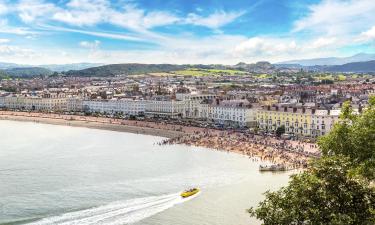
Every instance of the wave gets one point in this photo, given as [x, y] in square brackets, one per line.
[121, 212]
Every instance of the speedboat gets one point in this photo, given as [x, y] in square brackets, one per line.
[189, 192]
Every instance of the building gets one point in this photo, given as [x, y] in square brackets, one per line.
[323, 121]
[112, 106]
[235, 113]
[55, 103]
[300, 121]
[192, 103]
[161, 106]
[74, 104]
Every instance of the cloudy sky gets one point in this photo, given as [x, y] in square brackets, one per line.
[183, 31]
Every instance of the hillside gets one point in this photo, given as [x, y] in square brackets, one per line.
[3, 74]
[354, 67]
[72, 66]
[28, 72]
[124, 69]
[331, 61]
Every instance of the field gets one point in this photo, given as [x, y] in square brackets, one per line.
[339, 77]
[207, 72]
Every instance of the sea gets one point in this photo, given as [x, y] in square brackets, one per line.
[51, 174]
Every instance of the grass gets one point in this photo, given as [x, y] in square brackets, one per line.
[263, 76]
[339, 77]
[207, 72]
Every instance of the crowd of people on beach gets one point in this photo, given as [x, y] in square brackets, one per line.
[291, 154]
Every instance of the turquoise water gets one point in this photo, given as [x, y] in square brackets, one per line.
[67, 175]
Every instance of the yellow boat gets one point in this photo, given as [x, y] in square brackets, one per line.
[189, 192]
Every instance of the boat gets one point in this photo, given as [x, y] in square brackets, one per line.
[189, 192]
[277, 167]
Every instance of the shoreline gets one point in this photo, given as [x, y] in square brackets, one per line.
[95, 125]
[290, 154]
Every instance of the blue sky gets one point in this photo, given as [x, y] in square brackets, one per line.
[183, 31]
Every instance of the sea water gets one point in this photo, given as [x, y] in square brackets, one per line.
[53, 174]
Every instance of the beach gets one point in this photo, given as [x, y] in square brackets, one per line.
[291, 154]
[92, 122]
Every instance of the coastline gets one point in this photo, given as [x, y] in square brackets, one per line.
[95, 125]
[290, 154]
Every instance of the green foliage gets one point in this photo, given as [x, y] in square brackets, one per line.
[325, 194]
[3, 75]
[28, 72]
[354, 137]
[280, 130]
[336, 189]
[124, 69]
[207, 72]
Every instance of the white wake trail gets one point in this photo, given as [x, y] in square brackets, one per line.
[123, 212]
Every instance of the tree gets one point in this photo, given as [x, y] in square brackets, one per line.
[324, 194]
[280, 130]
[339, 187]
[354, 136]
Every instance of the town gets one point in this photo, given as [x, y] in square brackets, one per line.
[282, 104]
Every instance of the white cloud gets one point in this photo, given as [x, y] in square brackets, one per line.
[6, 29]
[15, 52]
[215, 20]
[93, 33]
[90, 45]
[282, 49]
[30, 10]
[83, 12]
[3, 8]
[323, 42]
[134, 18]
[3, 40]
[338, 21]
[368, 35]
[337, 17]
[93, 12]
[265, 47]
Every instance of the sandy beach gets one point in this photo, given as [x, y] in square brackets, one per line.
[88, 122]
[292, 154]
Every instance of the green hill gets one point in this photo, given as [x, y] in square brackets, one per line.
[28, 72]
[124, 69]
[3, 74]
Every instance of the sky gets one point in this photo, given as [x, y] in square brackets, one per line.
[183, 31]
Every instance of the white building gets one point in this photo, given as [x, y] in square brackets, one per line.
[229, 112]
[132, 107]
[35, 103]
[322, 121]
[192, 103]
[74, 104]
[162, 107]
[303, 121]
[124, 106]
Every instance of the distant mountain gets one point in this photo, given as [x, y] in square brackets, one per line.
[53, 67]
[124, 69]
[28, 72]
[359, 67]
[67, 67]
[4, 65]
[361, 57]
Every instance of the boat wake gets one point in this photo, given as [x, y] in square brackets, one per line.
[122, 212]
